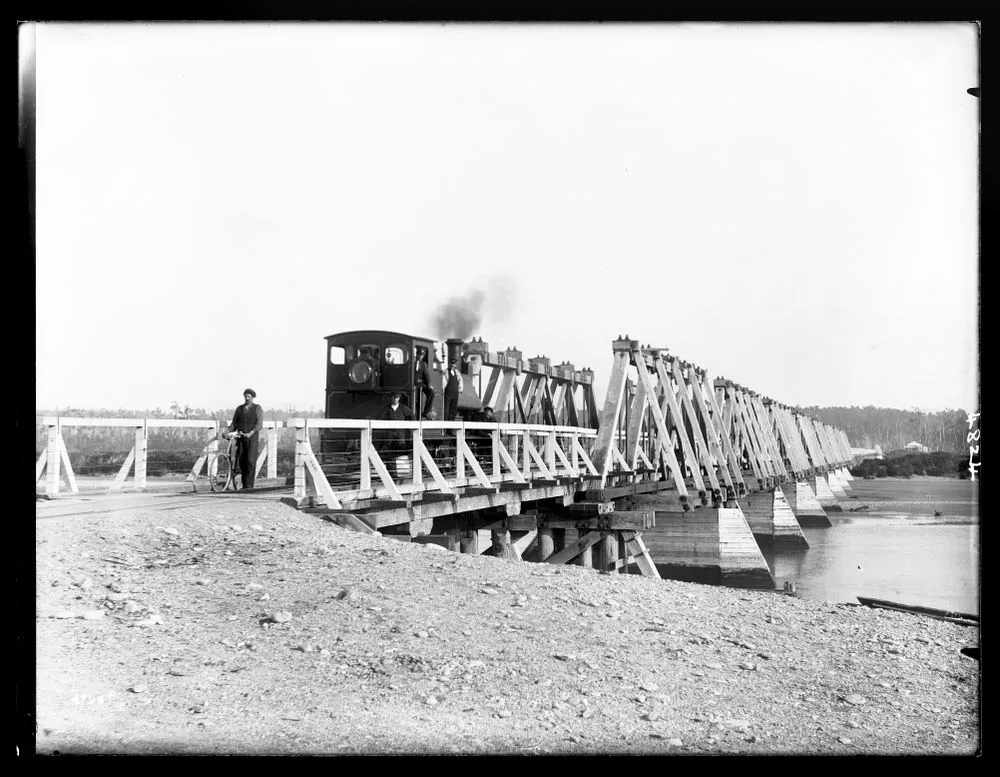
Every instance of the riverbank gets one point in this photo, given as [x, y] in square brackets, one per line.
[248, 627]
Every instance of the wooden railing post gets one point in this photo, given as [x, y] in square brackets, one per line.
[140, 455]
[416, 467]
[496, 454]
[365, 464]
[272, 452]
[54, 459]
[301, 443]
[460, 453]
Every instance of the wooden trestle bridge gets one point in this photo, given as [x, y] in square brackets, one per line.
[676, 470]
[676, 458]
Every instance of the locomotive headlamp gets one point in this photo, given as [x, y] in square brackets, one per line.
[361, 372]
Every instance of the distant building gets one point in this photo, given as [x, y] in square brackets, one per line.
[916, 447]
[868, 453]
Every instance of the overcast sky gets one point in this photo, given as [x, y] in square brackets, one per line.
[791, 206]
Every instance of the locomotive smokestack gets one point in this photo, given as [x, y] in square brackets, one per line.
[454, 345]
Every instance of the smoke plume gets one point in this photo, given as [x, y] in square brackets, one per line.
[459, 316]
[462, 316]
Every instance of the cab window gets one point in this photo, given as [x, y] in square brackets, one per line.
[396, 354]
[369, 350]
[337, 355]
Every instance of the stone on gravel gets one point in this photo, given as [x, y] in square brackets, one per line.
[139, 688]
[281, 616]
[855, 699]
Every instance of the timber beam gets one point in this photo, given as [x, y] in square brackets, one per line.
[591, 508]
[631, 489]
[509, 501]
[620, 520]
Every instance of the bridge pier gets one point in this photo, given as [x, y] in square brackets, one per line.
[707, 544]
[806, 507]
[825, 496]
[771, 519]
[835, 485]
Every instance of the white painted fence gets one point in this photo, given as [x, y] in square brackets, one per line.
[54, 459]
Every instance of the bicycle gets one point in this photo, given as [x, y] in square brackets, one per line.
[222, 467]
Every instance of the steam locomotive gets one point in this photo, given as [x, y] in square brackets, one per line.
[365, 367]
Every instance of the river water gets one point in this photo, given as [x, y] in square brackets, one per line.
[896, 550]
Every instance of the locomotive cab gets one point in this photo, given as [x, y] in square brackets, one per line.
[365, 367]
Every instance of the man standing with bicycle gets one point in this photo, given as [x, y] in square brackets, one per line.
[248, 420]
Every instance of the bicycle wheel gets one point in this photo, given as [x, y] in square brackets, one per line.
[220, 474]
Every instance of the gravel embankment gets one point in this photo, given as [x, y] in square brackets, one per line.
[247, 627]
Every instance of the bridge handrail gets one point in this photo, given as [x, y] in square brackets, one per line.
[512, 455]
[195, 423]
[55, 457]
[364, 423]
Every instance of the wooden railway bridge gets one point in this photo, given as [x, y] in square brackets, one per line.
[680, 471]
[676, 472]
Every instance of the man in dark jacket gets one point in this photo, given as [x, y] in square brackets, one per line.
[421, 377]
[248, 420]
[452, 389]
[394, 440]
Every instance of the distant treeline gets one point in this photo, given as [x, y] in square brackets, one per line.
[902, 464]
[177, 410]
[159, 462]
[893, 429]
[114, 442]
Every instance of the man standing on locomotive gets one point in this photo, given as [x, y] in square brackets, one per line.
[248, 420]
[422, 381]
[452, 389]
[394, 440]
